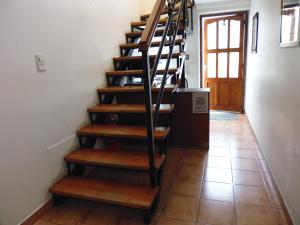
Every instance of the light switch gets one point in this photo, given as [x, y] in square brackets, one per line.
[40, 62]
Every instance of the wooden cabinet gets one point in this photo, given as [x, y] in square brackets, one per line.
[189, 129]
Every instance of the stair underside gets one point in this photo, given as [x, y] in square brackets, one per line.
[122, 131]
[139, 58]
[132, 89]
[110, 192]
[154, 44]
[114, 158]
[139, 73]
[127, 108]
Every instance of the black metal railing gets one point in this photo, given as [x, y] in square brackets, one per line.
[176, 16]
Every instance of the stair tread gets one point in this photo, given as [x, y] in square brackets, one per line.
[158, 32]
[127, 108]
[138, 58]
[122, 131]
[111, 192]
[132, 89]
[135, 72]
[114, 158]
[154, 44]
[143, 23]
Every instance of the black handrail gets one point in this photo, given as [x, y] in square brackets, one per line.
[171, 31]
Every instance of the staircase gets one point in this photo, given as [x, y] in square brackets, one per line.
[127, 131]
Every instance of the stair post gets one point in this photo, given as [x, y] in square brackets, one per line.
[149, 118]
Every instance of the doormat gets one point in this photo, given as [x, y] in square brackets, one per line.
[219, 115]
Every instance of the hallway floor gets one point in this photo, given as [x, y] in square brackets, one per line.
[228, 185]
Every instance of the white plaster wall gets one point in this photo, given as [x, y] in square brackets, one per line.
[40, 112]
[193, 42]
[146, 6]
[272, 102]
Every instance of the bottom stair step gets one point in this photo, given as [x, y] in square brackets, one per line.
[111, 192]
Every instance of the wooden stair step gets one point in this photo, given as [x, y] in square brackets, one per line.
[140, 58]
[165, 11]
[154, 44]
[132, 73]
[122, 131]
[132, 89]
[114, 158]
[161, 21]
[159, 32]
[127, 108]
[111, 192]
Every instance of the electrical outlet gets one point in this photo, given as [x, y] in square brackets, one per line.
[40, 62]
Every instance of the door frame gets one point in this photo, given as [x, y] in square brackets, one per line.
[245, 41]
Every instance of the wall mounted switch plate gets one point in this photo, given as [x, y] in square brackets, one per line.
[40, 62]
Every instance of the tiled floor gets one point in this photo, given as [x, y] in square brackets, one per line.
[228, 185]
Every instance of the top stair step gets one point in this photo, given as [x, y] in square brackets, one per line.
[111, 192]
[143, 23]
[165, 11]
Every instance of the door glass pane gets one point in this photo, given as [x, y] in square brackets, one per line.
[212, 36]
[235, 28]
[223, 34]
[234, 64]
[211, 65]
[222, 65]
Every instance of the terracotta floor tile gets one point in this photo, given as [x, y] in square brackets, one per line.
[187, 187]
[253, 215]
[216, 212]
[251, 195]
[281, 218]
[167, 221]
[251, 178]
[274, 198]
[243, 153]
[218, 175]
[219, 152]
[217, 191]
[244, 164]
[40, 222]
[104, 215]
[248, 144]
[219, 143]
[218, 162]
[180, 207]
[194, 157]
[190, 172]
[72, 212]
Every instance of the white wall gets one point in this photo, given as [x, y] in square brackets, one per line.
[40, 112]
[193, 42]
[272, 102]
[146, 6]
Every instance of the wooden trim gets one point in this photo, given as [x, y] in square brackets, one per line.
[35, 216]
[152, 22]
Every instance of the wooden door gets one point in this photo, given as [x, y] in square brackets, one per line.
[223, 61]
